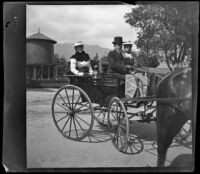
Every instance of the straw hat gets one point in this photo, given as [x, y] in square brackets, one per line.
[78, 44]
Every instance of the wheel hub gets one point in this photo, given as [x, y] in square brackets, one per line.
[71, 113]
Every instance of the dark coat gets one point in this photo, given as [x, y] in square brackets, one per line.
[116, 63]
[83, 56]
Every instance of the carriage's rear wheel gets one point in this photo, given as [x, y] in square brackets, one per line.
[100, 115]
[118, 124]
[72, 112]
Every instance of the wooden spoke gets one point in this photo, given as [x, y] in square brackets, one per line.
[113, 116]
[82, 107]
[63, 100]
[126, 148]
[68, 99]
[104, 115]
[117, 137]
[62, 118]
[60, 112]
[72, 98]
[99, 114]
[61, 106]
[83, 120]
[77, 102]
[131, 149]
[79, 125]
[70, 126]
[82, 129]
[65, 124]
[120, 132]
[75, 127]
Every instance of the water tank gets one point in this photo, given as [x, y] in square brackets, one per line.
[40, 50]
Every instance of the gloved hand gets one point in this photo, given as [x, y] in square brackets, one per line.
[133, 72]
[80, 74]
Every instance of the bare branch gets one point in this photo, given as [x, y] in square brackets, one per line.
[180, 53]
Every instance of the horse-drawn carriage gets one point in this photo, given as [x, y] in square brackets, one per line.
[101, 98]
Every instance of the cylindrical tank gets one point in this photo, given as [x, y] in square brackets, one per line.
[40, 50]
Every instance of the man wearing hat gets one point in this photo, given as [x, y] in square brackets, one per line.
[80, 61]
[116, 59]
[116, 63]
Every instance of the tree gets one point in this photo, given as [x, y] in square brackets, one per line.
[95, 61]
[164, 29]
[61, 64]
[142, 60]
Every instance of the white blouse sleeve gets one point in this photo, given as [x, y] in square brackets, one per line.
[90, 68]
[73, 66]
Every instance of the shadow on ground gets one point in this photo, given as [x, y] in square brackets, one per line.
[144, 131]
[183, 160]
[97, 135]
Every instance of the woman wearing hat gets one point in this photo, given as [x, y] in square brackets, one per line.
[116, 59]
[129, 57]
[80, 65]
[80, 61]
[131, 62]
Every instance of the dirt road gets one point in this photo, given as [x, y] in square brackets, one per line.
[47, 148]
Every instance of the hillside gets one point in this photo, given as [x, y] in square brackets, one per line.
[67, 50]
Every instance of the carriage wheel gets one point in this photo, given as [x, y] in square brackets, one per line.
[100, 115]
[118, 124]
[185, 132]
[72, 112]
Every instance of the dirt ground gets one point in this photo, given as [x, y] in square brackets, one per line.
[47, 148]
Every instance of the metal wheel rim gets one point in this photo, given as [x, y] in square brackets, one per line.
[73, 121]
[114, 138]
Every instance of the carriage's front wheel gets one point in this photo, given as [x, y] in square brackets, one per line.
[72, 112]
[118, 124]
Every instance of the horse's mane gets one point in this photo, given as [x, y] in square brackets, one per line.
[168, 83]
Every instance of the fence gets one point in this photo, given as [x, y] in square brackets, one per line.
[45, 72]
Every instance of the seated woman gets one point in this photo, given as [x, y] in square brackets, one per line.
[80, 61]
[80, 66]
[129, 56]
[137, 80]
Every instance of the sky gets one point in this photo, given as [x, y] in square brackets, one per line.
[91, 24]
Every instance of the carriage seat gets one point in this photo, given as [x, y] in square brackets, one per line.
[135, 82]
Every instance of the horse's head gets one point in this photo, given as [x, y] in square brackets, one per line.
[177, 84]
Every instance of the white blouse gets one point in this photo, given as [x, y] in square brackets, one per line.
[74, 64]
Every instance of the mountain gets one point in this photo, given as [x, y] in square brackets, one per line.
[67, 50]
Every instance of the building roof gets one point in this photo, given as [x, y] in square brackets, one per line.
[40, 36]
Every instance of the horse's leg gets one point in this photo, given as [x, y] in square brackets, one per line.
[163, 142]
[169, 123]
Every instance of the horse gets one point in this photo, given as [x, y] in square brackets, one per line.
[171, 116]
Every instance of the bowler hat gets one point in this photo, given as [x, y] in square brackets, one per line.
[117, 40]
